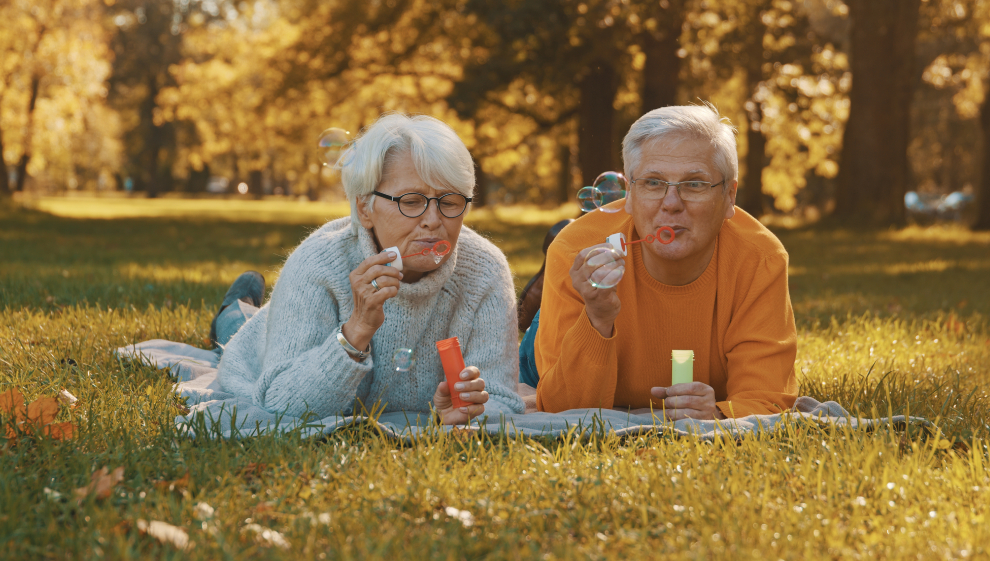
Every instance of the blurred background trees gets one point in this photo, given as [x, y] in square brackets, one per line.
[842, 106]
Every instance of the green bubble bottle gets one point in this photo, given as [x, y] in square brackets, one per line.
[682, 371]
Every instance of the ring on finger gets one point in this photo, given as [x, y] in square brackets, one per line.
[374, 283]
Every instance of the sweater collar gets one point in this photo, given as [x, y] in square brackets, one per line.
[426, 287]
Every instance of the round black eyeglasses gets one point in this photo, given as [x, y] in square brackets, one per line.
[413, 205]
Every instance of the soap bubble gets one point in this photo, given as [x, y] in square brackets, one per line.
[608, 264]
[589, 198]
[437, 258]
[333, 142]
[404, 360]
[612, 186]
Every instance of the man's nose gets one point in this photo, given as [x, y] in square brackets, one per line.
[672, 200]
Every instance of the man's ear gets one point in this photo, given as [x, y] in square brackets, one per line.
[362, 211]
[629, 202]
[730, 200]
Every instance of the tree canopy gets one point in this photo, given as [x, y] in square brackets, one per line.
[840, 105]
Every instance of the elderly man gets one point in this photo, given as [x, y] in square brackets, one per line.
[719, 289]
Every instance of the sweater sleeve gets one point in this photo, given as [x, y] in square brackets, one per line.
[761, 344]
[578, 367]
[305, 367]
[493, 345]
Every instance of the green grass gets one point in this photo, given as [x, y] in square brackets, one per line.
[890, 322]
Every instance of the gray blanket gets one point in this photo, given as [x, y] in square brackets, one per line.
[228, 416]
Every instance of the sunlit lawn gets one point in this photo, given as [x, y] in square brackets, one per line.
[890, 322]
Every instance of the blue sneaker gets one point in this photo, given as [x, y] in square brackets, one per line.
[249, 288]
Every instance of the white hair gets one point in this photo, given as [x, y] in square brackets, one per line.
[680, 122]
[439, 156]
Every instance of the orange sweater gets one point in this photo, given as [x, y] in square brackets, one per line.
[736, 317]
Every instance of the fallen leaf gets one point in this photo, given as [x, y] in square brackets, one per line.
[60, 431]
[164, 532]
[67, 398]
[180, 484]
[42, 411]
[12, 403]
[101, 484]
[253, 470]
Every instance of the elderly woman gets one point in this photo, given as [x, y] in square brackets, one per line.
[339, 312]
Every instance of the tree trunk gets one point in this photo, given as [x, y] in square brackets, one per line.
[597, 117]
[254, 183]
[752, 192]
[662, 68]
[564, 174]
[983, 194]
[756, 155]
[873, 176]
[28, 135]
[4, 174]
[153, 141]
[481, 191]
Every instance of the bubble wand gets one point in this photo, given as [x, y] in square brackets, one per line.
[607, 261]
[618, 241]
[439, 250]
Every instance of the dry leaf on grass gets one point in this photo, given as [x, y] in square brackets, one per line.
[164, 532]
[101, 484]
[180, 485]
[67, 398]
[37, 416]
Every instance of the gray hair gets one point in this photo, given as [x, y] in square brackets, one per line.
[438, 154]
[680, 122]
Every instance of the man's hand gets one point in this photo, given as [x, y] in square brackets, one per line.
[688, 401]
[601, 304]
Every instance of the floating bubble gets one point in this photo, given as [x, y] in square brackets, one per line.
[612, 187]
[589, 199]
[609, 267]
[332, 143]
[404, 360]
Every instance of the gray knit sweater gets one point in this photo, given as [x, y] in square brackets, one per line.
[287, 359]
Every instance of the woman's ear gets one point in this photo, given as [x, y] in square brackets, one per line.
[362, 211]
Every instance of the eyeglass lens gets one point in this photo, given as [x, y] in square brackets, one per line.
[450, 205]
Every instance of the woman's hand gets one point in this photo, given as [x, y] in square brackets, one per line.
[472, 390]
[368, 315]
[693, 400]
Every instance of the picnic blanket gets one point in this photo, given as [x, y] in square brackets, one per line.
[230, 416]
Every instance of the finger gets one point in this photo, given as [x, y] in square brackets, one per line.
[377, 298]
[475, 385]
[385, 281]
[377, 259]
[443, 390]
[475, 397]
[690, 388]
[659, 392]
[684, 414]
[472, 410]
[470, 373]
[687, 402]
[379, 271]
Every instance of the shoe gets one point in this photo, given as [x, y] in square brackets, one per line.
[532, 295]
[248, 288]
